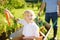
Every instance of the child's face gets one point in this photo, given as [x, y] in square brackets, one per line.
[29, 16]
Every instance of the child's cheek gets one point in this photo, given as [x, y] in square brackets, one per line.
[31, 18]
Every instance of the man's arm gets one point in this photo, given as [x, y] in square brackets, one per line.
[41, 8]
[59, 8]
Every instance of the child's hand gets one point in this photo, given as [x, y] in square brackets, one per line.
[18, 19]
[6, 11]
[28, 37]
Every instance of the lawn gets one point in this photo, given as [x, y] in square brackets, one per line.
[58, 33]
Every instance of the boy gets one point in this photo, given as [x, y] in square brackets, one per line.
[30, 29]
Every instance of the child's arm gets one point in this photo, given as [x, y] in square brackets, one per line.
[20, 21]
[10, 15]
[6, 11]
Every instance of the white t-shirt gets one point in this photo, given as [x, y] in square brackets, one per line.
[29, 29]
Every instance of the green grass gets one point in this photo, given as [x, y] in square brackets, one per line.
[58, 33]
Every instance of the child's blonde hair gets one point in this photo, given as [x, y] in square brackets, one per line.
[30, 11]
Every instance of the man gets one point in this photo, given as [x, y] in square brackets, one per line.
[51, 13]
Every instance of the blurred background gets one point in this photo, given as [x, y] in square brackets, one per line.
[17, 7]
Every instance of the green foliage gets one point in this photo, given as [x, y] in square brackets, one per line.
[1, 9]
[11, 4]
[17, 3]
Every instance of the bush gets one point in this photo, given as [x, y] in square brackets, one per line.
[11, 4]
[1, 9]
[17, 3]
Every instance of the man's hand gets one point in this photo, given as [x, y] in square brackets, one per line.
[39, 14]
[58, 14]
